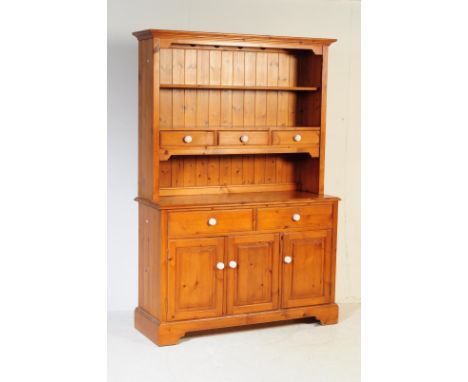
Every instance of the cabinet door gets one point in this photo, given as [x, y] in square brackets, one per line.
[195, 287]
[252, 273]
[306, 268]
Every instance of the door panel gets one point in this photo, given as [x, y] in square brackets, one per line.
[195, 284]
[306, 280]
[252, 285]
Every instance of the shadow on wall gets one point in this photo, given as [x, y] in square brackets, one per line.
[122, 172]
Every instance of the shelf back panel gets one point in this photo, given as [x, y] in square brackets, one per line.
[190, 108]
[238, 173]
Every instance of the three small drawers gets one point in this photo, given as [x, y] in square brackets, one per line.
[183, 223]
[239, 138]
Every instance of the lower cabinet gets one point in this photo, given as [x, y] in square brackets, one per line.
[306, 273]
[209, 277]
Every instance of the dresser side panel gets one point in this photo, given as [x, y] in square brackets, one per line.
[151, 262]
[145, 119]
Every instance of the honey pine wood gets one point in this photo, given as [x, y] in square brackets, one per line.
[234, 226]
[252, 286]
[307, 280]
[195, 286]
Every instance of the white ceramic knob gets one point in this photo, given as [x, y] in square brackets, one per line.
[244, 138]
[188, 139]
[287, 259]
[212, 221]
[296, 217]
[297, 138]
[233, 264]
[220, 266]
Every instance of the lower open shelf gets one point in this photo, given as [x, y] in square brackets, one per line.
[167, 152]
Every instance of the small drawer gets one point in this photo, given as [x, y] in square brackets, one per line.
[299, 137]
[186, 138]
[317, 216]
[242, 138]
[208, 222]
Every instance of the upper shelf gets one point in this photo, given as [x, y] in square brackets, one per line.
[238, 87]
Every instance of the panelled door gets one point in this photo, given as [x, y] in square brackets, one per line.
[306, 268]
[195, 278]
[252, 266]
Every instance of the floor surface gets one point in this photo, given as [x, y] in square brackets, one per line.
[293, 352]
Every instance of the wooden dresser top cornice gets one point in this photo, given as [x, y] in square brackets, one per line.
[188, 36]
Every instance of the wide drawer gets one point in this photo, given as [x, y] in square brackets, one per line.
[208, 222]
[186, 138]
[317, 216]
[242, 138]
[299, 137]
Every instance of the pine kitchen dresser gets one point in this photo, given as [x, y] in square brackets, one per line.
[234, 226]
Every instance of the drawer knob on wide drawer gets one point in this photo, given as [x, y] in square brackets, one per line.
[188, 139]
[233, 264]
[212, 221]
[297, 138]
[287, 259]
[296, 217]
[220, 266]
[244, 138]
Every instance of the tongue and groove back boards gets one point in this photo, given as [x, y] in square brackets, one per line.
[211, 109]
[249, 110]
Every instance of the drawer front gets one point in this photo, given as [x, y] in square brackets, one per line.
[318, 216]
[209, 222]
[296, 137]
[187, 138]
[242, 138]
